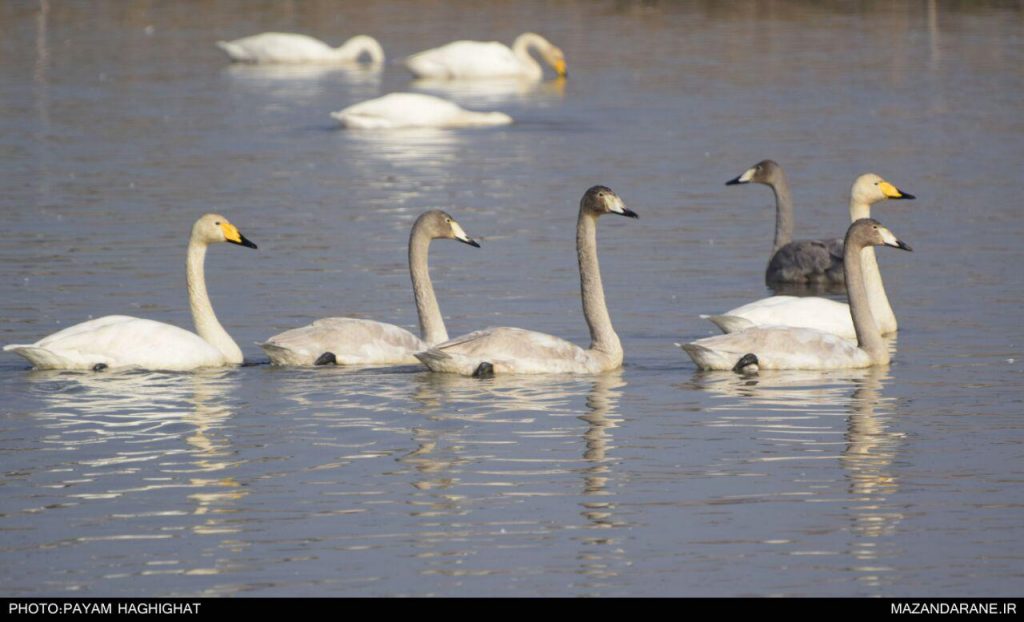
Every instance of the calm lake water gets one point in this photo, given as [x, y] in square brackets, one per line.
[123, 123]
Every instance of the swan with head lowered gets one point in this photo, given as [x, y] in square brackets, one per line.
[480, 60]
[122, 341]
[517, 351]
[822, 313]
[411, 110]
[784, 347]
[352, 341]
[290, 48]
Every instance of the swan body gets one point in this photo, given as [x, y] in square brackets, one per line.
[516, 351]
[781, 347]
[821, 313]
[814, 312]
[479, 59]
[118, 341]
[405, 110]
[354, 341]
[289, 48]
[800, 261]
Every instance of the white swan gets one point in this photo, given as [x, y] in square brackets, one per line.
[518, 351]
[351, 341]
[283, 47]
[822, 313]
[479, 59]
[404, 110]
[782, 347]
[124, 341]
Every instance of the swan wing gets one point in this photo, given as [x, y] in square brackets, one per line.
[510, 351]
[778, 347]
[399, 110]
[353, 341]
[277, 47]
[808, 261]
[465, 59]
[121, 341]
[814, 312]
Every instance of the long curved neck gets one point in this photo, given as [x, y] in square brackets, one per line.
[432, 328]
[877, 298]
[351, 49]
[783, 212]
[869, 338]
[602, 335]
[521, 48]
[203, 317]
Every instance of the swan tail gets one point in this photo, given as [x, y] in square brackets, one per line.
[41, 358]
[729, 323]
[235, 51]
[700, 355]
[282, 355]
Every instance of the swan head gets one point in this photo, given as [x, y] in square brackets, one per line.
[870, 188]
[600, 200]
[440, 225]
[764, 172]
[214, 228]
[870, 232]
[551, 53]
[556, 58]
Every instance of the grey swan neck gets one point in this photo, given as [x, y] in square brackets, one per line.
[432, 329]
[602, 336]
[869, 337]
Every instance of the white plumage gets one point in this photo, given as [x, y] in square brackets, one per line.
[283, 47]
[487, 59]
[407, 110]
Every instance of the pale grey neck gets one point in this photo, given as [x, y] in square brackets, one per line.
[203, 317]
[432, 329]
[877, 298]
[602, 335]
[869, 338]
[783, 211]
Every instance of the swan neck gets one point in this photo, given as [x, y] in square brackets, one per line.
[354, 47]
[432, 329]
[595, 310]
[878, 299]
[521, 49]
[869, 337]
[783, 212]
[205, 320]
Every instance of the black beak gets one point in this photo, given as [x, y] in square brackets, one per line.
[628, 213]
[470, 241]
[904, 195]
[903, 245]
[244, 241]
[735, 181]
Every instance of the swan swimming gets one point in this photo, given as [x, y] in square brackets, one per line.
[352, 341]
[783, 347]
[289, 48]
[480, 59]
[822, 313]
[517, 351]
[116, 341]
[407, 110]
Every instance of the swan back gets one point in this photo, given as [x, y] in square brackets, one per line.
[404, 110]
[292, 48]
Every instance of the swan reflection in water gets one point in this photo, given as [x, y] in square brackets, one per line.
[793, 414]
[457, 464]
[121, 424]
[296, 83]
[491, 92]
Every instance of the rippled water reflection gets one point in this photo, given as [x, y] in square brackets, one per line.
[653, 480]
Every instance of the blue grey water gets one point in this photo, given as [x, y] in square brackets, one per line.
[122, 123]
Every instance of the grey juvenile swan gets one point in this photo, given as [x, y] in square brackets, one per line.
[517, 351]
[353, 341]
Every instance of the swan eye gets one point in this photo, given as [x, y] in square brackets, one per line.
[217, 223]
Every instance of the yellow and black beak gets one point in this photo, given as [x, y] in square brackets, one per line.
[233, 235]
[560, 68]
[892, 192]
